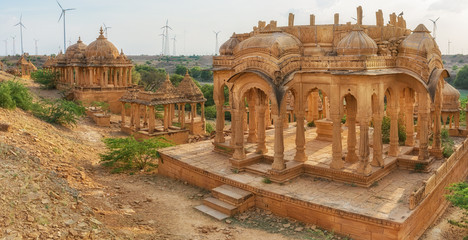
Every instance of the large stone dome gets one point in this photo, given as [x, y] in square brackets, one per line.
[277, 44]
[228, 47]
[76, 50]
[101, 48]
[357, 42]
[450, 98]
[420, 42]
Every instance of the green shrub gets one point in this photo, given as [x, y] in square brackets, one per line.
[311, 124]
[128, 153]
[386, 131]
[46, 78]
[104, 106]
[343, 119]
[447, 143]
[14, 94]
[209, 128]
[210, 112]
[459, 197]
[58, 111]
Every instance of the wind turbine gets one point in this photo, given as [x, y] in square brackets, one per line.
[166, 34]
[216, 49]
[173, 47]
[14, 50]
[163, 36]
[435, 27]
[35, 45]
[63, 14]
[105, 28]
[6, 46]
[21, 26]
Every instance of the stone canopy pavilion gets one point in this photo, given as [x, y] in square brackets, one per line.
[94, 72]
[363, 72]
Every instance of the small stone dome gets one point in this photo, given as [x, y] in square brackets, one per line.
[277, 44]
[418, 43]
[228, 47]
[450, 98]
[101, 48]
[357, 42]
[76, 50]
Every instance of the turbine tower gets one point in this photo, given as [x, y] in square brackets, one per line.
[173, 46]
[21, 26]
[14, 50]
[216, 49]
[435, 27]
[163, 37]
[63, 14]
[35, 45]
[105, 28]
[6, 46]
[166, 34]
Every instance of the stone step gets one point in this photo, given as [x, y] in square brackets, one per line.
[232, 195]
[221, 206]
[212, 212]
[260, 168]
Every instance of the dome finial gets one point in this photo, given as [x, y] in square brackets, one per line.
[101, 32]
[186, 72]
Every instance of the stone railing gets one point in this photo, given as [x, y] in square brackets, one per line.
[430, 184]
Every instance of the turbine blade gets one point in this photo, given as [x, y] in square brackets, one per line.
[60, 5]
[60, 16]
[437, 19]
[70, 9]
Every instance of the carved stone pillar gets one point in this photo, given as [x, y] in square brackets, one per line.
[268, 115]
[238, 130]
[182, 123]
[219, 138]
[261, 144]
[123, 112]
[278, 157]
[337, 161]
[106, 77]
[166, 118]
[120, 77]
[145, 116]
[423, 121]
[137, 117]
[364, 166]
[314, 105]
[152, 120]
[392, 109]
[300, 137]
[252, 137]
[377, 145]
[409, 121]
[351, 109]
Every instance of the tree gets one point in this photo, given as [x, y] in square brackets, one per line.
[206, 75]
[461, 80]
[151, 77]
[195, 72]
[181, 70]
[176, 79]
[46, 78]
[136, 77]
[207, 90]
[127, 153]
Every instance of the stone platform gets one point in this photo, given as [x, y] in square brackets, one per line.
[381, 211]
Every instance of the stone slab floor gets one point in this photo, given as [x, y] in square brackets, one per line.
[388, 199]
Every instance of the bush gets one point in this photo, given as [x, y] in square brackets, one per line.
[461, 80]
[103, 106]
[128, 153]
[311, 124]
[46, 78]
[447, 143]
[459, 197]
[14, 94]
[58, 111]
[386, 131]
[210, 112]
[209, 128]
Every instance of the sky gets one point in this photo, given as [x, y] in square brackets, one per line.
[136, 24]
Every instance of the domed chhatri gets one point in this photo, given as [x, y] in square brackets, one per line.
[276, 44]
[419, 42]
[228, 47]
[97, 72]
[357, 42]
[76, 51]
[101, 48]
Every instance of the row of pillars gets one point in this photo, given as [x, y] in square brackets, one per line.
[96, 76]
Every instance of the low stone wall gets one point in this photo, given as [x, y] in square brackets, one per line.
[430, 184]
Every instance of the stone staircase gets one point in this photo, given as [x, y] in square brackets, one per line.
[226, 201]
